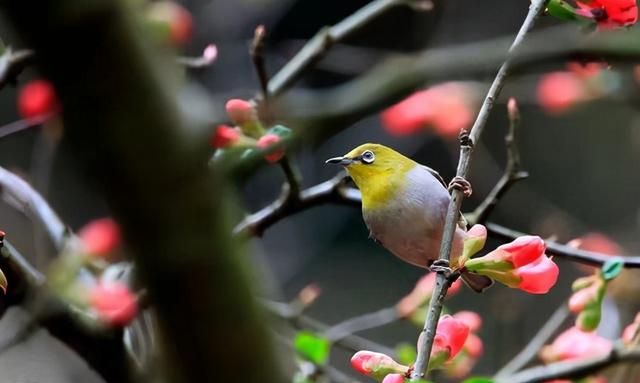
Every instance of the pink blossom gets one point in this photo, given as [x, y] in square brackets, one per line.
[421, 293]
[470, 318]
[114, 303]
[240, 111]
[37, 99]
[375, 364]
[559, 91]
[451, 335]
[268, 140]
[576, 344]
[539, 276]
[100, 236]
[224, 136]
[393, 378]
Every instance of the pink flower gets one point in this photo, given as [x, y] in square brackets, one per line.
[240, 111]
[266, 142]
[393, 378]
[451, 335]
[470, 318]
[575, 344]
[376, 365]
[586, 70]
[446, 107]
[100, 236]
[224, 136]
[538, 277]
[37, 99]
[421, 294]
[559, 91]
[114, 303]
[521, 251]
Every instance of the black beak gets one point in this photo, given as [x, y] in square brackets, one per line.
[344, 161]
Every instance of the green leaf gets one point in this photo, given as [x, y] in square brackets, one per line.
[477, 379]
[562, 10]
[406, 353]
[280, 130]
[312, 347]
[612, 268]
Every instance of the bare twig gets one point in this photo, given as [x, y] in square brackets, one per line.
[362, 322]
[513, 171]
[32, 276]
[572, 369]
[256, 52]
[334, 190]
[535, 344]
[13, 63]
[22, 196]
[563, 251]
[466, 148]
[324, 39]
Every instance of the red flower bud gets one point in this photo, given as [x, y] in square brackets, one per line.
[470, 318]
[100, 237]
[268, 140]
[538, 277]
[177, 18]
[521, 251]
[393, 378]
[37, 99]
[609, 13]
[559, 91]
[575, 344]
[240, 111]
[224, 136]
[451, 335]
[375, 364]
[512, 109]
[114, 303]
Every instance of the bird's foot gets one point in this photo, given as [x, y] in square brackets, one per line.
[441, 266]
[461, 184]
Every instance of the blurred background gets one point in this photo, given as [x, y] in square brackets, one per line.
[582, 163]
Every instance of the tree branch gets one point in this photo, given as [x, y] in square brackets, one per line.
[13, 63]
[513, 172]
[23, 197]
[318, 46]
[530, 351]
[466, 148]
[362, 322]
[572, 369]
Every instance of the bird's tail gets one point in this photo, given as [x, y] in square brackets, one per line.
[476, 282]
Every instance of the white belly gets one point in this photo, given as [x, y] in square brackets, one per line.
[411, 225]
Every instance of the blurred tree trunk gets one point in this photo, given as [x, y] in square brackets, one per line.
[122, 120]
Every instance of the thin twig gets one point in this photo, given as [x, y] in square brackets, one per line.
[530, 351]
[513, 171]
[32, 276]
[466, 148]
[22, 196]
[362, 322]
[256, 51]
[318, 46]
[563, 251]
[572, 369]
[334, 190]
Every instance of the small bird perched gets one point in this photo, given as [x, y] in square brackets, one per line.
[404, 205]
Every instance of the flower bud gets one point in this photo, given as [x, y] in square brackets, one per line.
[470, 318]
[512, 109]
[451, 334]
[574, 344]
[474, 241]
[177, 19]
[100, 237]
[559, 91]
[421, 294]
[309, 294]
[376, 365]
[210, 53]
[265, 142]
[224, 136]
[37, 99]
[240, 111]
[538, 277]
[113, 303]
[393, 378]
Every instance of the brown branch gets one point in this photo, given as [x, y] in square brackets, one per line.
[318, 46]
[513, 171]
[334, 190]
[256, 51]
[466, 149]
[572, 369]
[530, 351]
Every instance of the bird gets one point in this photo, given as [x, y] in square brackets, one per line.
[404, 205]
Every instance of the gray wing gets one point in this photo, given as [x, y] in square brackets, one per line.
[462, 222]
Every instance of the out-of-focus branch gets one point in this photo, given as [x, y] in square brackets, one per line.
[513, 171]
[29, 274]
[334, 190]
[443, 280]
[316, 48]
[534, 345]
[362, 322]
[12, 63]
[572, 369]
[23, 197]
[101, 63]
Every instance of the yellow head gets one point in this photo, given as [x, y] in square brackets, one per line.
[378, 171]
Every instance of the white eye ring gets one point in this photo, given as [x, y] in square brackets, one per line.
[368, 157]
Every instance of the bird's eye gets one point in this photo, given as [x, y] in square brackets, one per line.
[368, 157]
